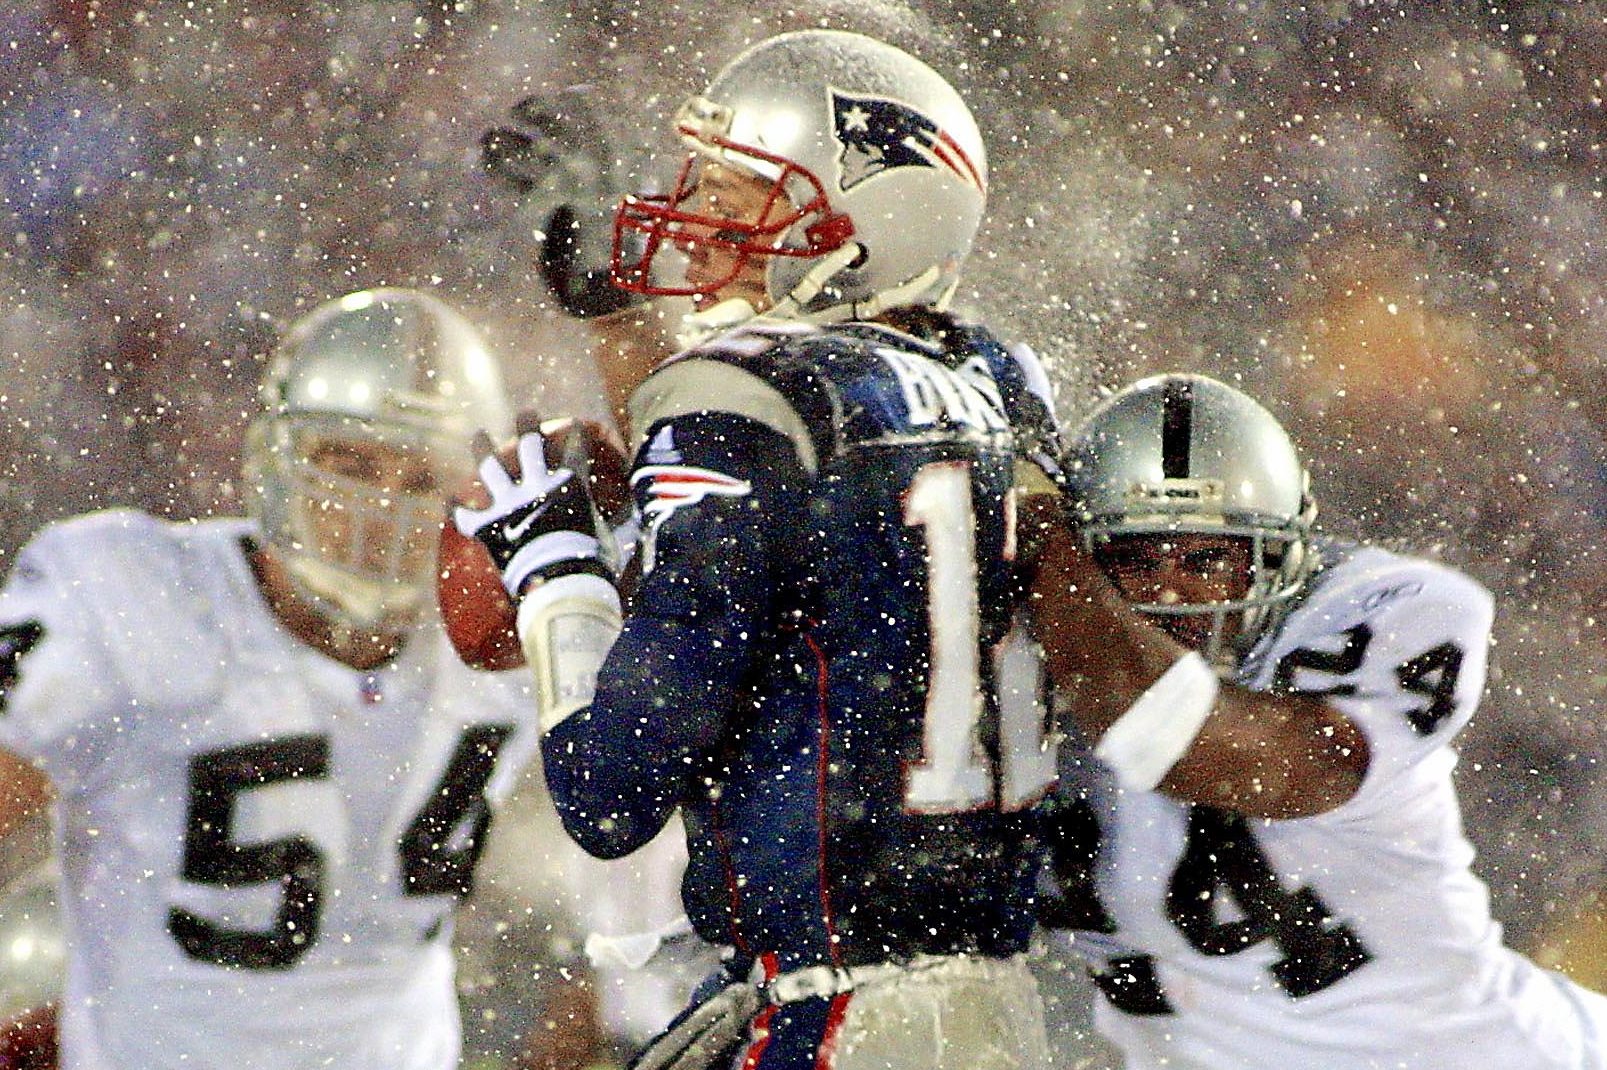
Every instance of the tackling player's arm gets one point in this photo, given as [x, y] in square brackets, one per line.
[1269, 755]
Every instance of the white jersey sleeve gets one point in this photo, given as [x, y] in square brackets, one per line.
[63, 698]
[1399, 645]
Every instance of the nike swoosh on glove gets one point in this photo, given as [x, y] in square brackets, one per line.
[541, 523]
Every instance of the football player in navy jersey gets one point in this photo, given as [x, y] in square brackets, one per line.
[825, 587]
[1263, 851]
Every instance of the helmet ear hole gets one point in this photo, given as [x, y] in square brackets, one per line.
[831, 233]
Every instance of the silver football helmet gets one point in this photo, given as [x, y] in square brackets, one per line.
[1186, 453]
[877, 169]
[392, 374]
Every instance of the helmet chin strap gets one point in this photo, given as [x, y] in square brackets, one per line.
[903, 294]
[699, 326]
[814, 280]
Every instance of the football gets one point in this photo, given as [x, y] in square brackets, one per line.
[28, 1039]
[479, 617]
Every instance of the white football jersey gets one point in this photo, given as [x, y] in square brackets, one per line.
[644, 956]
[1355, 939]
[261, 847]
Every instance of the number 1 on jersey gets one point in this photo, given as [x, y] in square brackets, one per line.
[955, 773]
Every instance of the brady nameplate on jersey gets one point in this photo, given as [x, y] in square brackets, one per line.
[966, 395]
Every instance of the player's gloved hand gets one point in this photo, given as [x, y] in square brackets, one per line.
[575, 256]
[708, 1032]
[552, 156]
[541, 523]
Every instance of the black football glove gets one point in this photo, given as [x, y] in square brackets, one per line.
[573, 269]
[541, 523]
[554, 158]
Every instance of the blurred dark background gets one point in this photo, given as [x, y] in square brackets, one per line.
[1386, 221]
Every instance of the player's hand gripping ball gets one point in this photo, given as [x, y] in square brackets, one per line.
[477, 610]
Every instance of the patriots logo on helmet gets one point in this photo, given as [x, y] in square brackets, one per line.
[878, 135]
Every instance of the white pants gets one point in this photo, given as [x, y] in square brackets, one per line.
[953, 1013]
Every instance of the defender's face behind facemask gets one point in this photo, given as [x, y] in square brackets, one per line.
[370, 402]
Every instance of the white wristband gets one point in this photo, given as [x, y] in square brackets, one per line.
[1157, 730]
[567, 626]
[549, 549]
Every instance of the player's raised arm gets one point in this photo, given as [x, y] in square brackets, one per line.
[551, 154]
[1191, 540]
[1193, 735]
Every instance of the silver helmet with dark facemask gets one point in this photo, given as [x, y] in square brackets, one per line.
[877, 173]
[1188, 454]
[369, 404]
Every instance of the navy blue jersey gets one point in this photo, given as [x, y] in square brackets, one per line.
[807, 669]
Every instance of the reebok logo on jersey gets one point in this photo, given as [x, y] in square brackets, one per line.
[671, 487]
[662, 449]
[1378, 599]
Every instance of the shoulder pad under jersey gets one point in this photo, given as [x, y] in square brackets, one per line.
[827, 388]
[148, 589]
